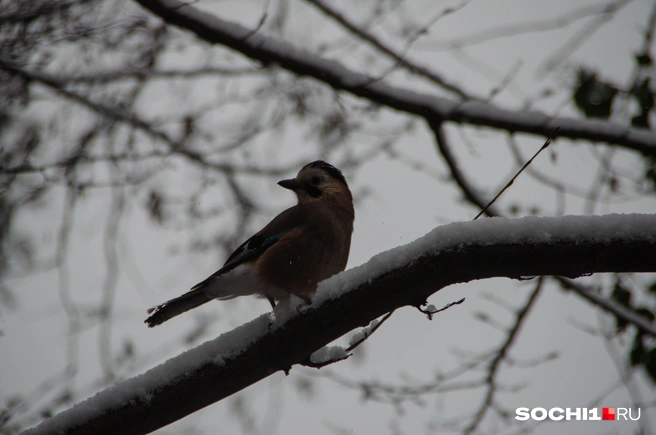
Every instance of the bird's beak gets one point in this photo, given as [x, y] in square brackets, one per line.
[292, 184]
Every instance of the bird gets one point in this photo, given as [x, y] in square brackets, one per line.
[299, 248]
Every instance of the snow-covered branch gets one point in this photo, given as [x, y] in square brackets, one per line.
[405, 276]
[270, 51]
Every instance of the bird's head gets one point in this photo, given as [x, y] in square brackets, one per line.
[320, 181]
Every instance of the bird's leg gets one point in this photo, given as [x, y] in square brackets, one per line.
[273, 306]
[271, 300]
[306, 299]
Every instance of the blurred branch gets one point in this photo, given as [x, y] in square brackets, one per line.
[395, 394]
[627, 380]
[298, 61]
[400, 58]
[556, 184]
[110, 282]
[544, 25]
[149, 73]
[114, 113]
[471, 193]
[21, 13]
[600, 181]
[649, 32]
[118, 114]
[582, 35]
[501, 354]
[611, 306]
[63, 274]
[577, 246]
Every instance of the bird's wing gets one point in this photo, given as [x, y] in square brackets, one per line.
[289, 220]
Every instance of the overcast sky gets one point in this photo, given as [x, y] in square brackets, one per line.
[401, 203]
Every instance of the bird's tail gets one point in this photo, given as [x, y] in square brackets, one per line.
[179, 305]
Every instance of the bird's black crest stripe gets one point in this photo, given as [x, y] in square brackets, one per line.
[332, 171]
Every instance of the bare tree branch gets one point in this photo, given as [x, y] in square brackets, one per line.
[582, 35]
[150, 73]
[565, 19]
[502, 353]
[270, 51]
[609, 305]
[471, 193]
[119, 114]
[22, 14]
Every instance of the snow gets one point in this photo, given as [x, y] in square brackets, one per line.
[328, 354]
[431, 308]
[455, 236]
[140, 388]
[363, 333]
[492, 231]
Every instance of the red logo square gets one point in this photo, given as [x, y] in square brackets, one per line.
[608, 413]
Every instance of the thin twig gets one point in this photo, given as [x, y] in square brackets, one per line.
[431, 312]
[371, 332]
[546, 144]
[309, 363]
[260, 23]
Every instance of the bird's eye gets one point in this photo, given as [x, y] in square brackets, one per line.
[315, 180]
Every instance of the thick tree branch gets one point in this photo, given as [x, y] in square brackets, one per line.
[405, 276]
[270, 51]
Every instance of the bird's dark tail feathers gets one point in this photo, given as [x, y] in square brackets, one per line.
[179, 305]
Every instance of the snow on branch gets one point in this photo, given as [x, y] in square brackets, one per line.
[270, 51]
[405, 276]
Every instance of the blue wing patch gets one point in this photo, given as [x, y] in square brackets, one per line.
[256, 245]
[273, 239]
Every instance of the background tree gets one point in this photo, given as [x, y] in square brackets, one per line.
[136, 155]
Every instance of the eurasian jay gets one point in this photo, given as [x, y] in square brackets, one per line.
[300, 247]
